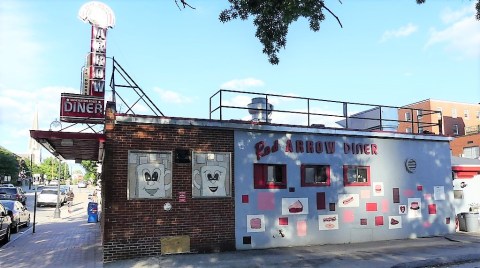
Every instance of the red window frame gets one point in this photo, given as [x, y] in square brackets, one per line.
[345, 176]
[260, 176]
[304, 183]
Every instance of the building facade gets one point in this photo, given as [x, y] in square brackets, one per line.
[173, 185]
[459, 120]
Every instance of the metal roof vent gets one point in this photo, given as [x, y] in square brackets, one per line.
[260, 110]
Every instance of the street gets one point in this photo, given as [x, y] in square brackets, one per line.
[45, 214]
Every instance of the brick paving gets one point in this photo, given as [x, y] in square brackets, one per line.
[69, 241]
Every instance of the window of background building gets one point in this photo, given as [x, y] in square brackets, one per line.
[408, 116]
[455, 129]
[270, 176]
[439, 109]
[420, 129]
[454, 113]
[315, 175]
[356, 176]
[408, 130]
[465, 114]
[471, 152]
[419, 114]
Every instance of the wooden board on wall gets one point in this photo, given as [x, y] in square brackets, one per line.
[175, 244]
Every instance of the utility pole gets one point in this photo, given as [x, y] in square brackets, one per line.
[56, 214]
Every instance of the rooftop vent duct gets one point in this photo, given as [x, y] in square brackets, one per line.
[260, 110]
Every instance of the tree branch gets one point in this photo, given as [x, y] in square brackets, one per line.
[333, 14]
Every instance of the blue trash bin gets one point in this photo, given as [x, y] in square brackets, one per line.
[92, 212]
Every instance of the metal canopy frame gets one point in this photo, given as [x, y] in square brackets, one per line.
[121, 79]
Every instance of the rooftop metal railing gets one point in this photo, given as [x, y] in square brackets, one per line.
[313, 112]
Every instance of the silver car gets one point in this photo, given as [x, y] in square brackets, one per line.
[18, 213]
[48, 196]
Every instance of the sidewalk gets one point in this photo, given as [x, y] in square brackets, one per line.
[72, 242]
[421, 252]
[69, 241]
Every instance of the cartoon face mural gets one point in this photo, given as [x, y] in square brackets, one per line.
[212, 180]
[151, 180]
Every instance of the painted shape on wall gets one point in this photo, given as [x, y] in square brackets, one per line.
[348, 216]
[149, 174]
[266, 201]
[378, 220]
[439, 192]
[396, 195]
[432, 209]
[301, 228]
[151, 180]
[211, 174]
[294, 206]
[394, 222]
[385, 206]
[378, 189]
[328, 222]
[255, 223]
[348, 200]
[321, 201]
[365, 194]
[402, 209]
[371, 206]
[414, 208]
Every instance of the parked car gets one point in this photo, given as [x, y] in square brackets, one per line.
[48, 196]
[5, 223]
[13, 193]
[82, 184]
[18, 213]
[53, 182]
[7, 185]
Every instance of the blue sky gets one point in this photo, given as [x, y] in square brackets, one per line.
[388, 53]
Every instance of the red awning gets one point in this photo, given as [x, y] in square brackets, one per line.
[71, 145]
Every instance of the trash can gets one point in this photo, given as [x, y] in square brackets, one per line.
[468, 222]
[471, 220]
[92, 212]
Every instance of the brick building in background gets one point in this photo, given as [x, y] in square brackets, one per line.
[459, 120]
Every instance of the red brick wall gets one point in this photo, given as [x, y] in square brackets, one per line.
[133, 228]
[461, 142]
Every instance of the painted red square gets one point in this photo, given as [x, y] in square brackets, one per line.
[419, 187]
[371, 206]
[321, 201]
[244, 198]
[363, 221]
[432, 209]
[283, 221]
[378, 220]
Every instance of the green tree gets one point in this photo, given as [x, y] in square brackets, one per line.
[273, 17]
[9, 165]
[90, 170]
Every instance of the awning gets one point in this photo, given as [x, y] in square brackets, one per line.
[71, 145]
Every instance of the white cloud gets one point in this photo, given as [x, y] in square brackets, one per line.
[449, 16]
[462, 37]
[172, 96]
[17, 109]
[242, 84]
[400, 32]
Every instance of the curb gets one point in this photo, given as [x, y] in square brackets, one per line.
[441, 261]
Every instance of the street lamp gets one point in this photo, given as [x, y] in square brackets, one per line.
[56, 213]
